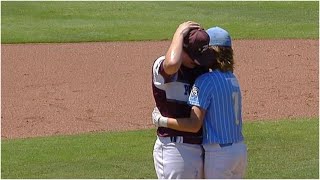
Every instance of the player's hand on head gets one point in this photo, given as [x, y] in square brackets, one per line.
[185, 27]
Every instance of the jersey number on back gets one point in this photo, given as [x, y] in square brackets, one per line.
[236, 106]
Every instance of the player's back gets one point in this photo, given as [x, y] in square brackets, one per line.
[223, 118]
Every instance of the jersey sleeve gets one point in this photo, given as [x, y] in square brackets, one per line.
[200, 93]
[160, 77]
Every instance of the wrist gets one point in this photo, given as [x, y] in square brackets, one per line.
[163, 122]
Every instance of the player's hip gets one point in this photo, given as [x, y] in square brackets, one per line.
[177, 160]
[178, 150]
[225, 161]
[214, 147]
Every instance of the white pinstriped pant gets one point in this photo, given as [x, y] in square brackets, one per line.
[175, 160]
[228, 162]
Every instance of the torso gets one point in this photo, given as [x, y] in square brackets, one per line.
[171, 94]
[222, 102]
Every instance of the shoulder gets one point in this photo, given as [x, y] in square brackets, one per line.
[204, 78]
[157, 63]
[210, 79]
[158, 71]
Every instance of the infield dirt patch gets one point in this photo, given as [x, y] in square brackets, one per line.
[50, 89]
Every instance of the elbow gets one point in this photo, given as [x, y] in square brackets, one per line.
[196, 117]
[196, 128]
[171, 67]
[172, 63]
[195, 125]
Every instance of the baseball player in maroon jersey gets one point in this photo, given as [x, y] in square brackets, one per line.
[217, 108]
[177, 154]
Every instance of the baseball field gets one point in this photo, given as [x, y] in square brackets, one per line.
[76, 96]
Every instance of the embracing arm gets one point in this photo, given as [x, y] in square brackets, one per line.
[191, 124]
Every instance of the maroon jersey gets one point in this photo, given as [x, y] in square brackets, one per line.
[171, 93]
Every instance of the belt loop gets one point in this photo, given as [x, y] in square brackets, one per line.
[181, 139]
[173, 138]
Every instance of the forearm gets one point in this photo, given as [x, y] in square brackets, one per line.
[191, 124]
[184, 124]
[173, 58]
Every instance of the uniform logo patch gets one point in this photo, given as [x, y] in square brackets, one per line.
[194, 91]
[193, 98]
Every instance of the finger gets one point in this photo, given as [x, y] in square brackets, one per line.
[192, 23]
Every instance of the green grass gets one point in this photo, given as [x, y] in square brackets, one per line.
[276, 149]
[283, 149]
[24, 22]
[103, 155]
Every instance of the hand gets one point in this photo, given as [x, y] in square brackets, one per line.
[158, 120]
[185, 27]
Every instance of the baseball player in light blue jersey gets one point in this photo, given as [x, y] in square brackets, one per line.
[216, 105]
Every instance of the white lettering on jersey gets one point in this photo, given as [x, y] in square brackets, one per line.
[177, 91]
[174, 90]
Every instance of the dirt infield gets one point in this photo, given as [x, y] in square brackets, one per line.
[50, 89]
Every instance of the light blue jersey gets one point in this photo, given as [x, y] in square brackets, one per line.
[219, 94]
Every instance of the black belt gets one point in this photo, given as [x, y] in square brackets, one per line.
[225, 145]
[188, 140]
[195, 140]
